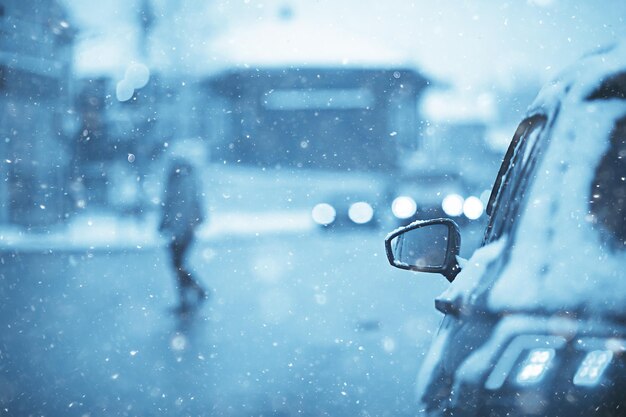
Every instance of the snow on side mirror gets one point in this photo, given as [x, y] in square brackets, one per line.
[426, 246]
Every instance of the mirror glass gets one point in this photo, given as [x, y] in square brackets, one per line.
[424, 247]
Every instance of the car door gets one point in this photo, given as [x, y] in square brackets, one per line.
[467, 324]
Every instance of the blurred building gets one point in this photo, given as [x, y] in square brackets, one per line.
[36, 117]
[331, 118]
[118, 147]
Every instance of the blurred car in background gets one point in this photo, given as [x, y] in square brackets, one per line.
[326, 139]
[349, 210]
[424, 197]
[534, 321]
[453, 184]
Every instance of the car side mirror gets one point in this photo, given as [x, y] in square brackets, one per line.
[426, 246]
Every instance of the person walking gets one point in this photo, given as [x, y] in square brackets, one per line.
[182, 214]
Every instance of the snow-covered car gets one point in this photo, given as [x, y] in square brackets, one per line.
[535, 323]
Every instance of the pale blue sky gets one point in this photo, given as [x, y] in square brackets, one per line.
[471, 44]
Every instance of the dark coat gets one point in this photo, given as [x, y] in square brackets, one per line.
[182, 206]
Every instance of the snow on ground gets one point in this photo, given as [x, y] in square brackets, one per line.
[105, 230]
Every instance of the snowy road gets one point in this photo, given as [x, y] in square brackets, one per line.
[312, 324]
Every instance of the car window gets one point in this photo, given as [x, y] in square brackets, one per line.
[607, 202]
[612, 87]
[513, 177]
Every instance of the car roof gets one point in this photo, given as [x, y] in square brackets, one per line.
[578, 81]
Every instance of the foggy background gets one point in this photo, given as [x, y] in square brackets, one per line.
[316, 127]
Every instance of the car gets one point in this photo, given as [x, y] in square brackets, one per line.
[456, 184]
[350, 210]
[534, 321]
[424, 197]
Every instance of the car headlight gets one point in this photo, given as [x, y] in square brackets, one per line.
[534, 367]
[403, 207]
[360, 212]
[452, 205]
[323, 214]
[593, 366]
[473, 208]
[528, 359]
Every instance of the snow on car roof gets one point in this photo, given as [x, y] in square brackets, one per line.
[558, 261]
[578, 80]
